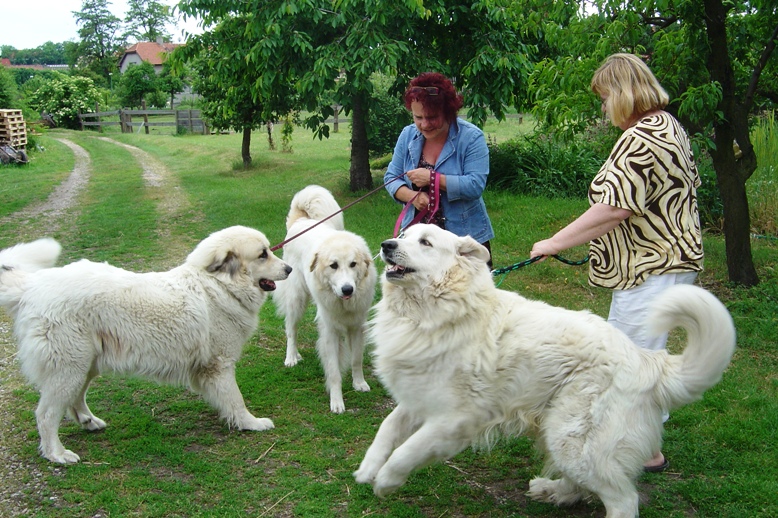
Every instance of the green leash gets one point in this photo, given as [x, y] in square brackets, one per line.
[508, 269]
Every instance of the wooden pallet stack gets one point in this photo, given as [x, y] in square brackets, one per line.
[13, 130]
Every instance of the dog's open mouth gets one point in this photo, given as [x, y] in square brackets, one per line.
[267, 285]
[396, 271]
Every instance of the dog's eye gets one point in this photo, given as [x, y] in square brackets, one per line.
[353, 264]
[263, 255]
[424, 242]
[334, 266]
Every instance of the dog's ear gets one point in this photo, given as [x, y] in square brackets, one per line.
[313, 262]
[470, 248]
[229, 264]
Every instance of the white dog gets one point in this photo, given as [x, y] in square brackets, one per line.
[335, 269]
[186, 326]
[467, 362]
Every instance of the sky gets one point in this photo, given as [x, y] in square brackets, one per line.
[27, 24]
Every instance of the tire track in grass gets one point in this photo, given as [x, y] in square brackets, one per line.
[22, 482]
[173, 204]
[52, 211]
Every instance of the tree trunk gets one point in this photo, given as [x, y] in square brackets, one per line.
[731, 173]
[359, 173]
[245, 149]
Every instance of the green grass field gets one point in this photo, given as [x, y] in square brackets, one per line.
[165, 453]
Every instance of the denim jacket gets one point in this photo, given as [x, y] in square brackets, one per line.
[465, 162]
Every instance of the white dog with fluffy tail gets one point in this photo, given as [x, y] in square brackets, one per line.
[186, 326]
[466, 362]
[333, 267]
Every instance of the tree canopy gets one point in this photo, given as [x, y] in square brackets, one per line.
[100, 42]
[146, 20]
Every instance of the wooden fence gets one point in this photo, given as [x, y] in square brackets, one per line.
[130, 121]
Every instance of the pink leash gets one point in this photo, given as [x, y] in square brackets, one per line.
[431, 209]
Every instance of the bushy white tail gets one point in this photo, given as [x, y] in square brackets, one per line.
[315, 202]
[30, 257]
[20, 260]
[710, 341]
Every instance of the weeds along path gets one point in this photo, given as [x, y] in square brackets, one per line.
[23, 490]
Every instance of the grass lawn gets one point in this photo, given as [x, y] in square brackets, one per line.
[165, 453]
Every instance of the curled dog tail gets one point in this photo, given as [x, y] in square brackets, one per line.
[315, 202]
[19, 261]
[710, 342]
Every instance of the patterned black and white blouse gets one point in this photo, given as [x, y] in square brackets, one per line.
[651, 172]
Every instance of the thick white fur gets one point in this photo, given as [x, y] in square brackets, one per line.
[186, 326]
[333, 267]
[467, 362]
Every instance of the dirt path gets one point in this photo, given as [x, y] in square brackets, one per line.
[21, 475]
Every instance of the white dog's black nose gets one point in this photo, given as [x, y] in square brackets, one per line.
[347, 290]
[389, 244]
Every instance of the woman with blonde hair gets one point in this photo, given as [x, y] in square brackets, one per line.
[642, 226]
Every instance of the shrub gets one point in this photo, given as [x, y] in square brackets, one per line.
[64, 97]
[542, 165]
[8, 92]
[762, 187]
[708, 197]
[387, 118]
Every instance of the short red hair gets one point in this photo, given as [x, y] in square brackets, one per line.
[447, 101]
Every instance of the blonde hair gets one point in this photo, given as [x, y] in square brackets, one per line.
[628, 86]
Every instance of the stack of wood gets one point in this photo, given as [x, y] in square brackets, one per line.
[13, 130]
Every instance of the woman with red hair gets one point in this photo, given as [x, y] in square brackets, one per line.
[439, 144]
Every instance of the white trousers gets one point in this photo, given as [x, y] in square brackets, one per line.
[629, 308]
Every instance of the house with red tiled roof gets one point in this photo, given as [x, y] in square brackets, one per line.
[151, 51]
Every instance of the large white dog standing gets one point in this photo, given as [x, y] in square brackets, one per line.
[333, 267]
[466, 362]
[186, 326]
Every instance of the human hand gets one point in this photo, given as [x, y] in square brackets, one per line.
[421, 201]
[543, 248]
[420, 177]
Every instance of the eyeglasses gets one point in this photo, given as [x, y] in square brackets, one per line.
[430, 90]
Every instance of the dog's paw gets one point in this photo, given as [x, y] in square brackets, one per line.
[543, 490]
[259, 424]
[364, 475]
[361, 386]
[384, 485]
[65, 457]
[337, 406]
[292, 359]
[93, 424]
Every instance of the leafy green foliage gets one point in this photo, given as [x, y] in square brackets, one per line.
[387, 118]
[146, 20]
[100, 43]
[64, 97]
[138, 83]
[9, 94]
[540, 165]
[49, 53]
